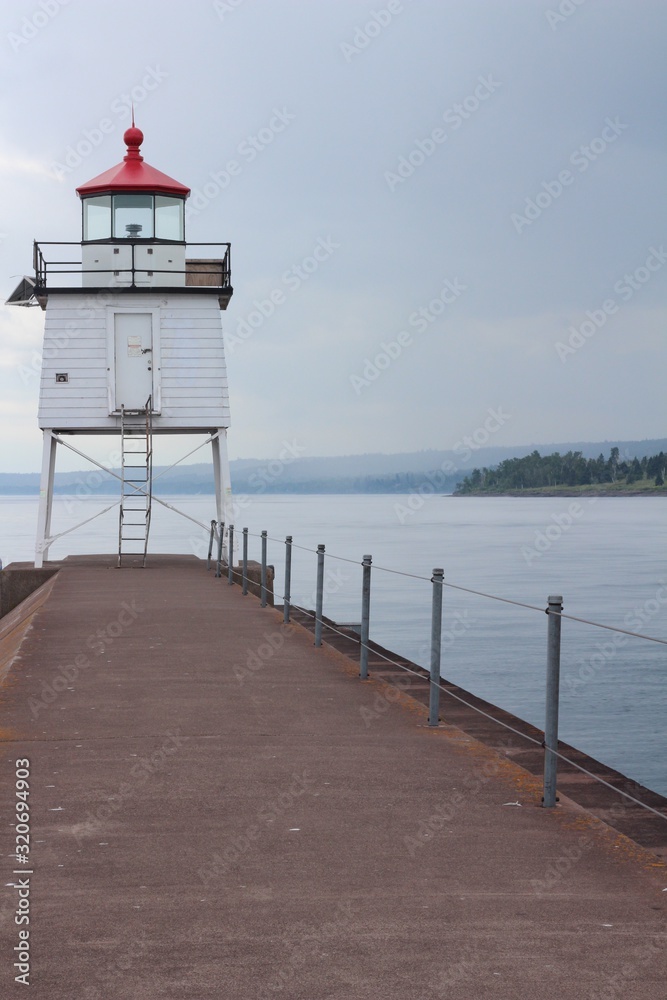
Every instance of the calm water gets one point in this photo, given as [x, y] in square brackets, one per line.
[606, 557]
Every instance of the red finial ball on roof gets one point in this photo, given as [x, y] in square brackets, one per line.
[133, 174]
[133, 139]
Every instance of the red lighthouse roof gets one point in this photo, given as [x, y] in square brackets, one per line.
[133, 174]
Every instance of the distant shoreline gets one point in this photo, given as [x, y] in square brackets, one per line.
[567, 492]
[558, 491]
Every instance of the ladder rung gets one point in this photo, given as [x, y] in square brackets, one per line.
[136, 484]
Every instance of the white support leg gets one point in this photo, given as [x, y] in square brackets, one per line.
[223, 485]
[215, 448]
[45, 499]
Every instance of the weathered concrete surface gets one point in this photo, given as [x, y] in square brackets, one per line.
[521, 742]
[221, 811]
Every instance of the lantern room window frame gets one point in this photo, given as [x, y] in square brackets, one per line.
[111, 203]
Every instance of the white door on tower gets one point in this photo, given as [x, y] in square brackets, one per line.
[133, 349]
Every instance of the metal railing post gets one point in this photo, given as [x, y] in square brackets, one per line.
[245, 561]
[553, 687]
[365, 616]
[319, 595]
[210, 544]
[264, 537]
[436, 637]
[230, 555]
[221, 536]
[288, 578]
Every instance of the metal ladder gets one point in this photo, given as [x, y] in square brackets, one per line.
[136, 442]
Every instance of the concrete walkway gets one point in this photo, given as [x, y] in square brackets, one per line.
[218, 810]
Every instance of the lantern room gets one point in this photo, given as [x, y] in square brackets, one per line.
[133, 223]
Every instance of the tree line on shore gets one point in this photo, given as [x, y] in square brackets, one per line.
[537, 471]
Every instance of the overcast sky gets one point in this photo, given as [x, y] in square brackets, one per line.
[485, 181]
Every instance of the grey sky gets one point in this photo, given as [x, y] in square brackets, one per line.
[341, 94]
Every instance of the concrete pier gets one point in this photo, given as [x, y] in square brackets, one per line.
[219, 810]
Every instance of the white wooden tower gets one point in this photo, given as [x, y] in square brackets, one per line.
[133, 339]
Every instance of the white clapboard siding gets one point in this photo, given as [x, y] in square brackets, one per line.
[188, 353]
[97, 353]
[53, 391]
[70, 338]
[81, 368]
[62, 327]
[197, 368]
[194, 323]
[176, 389]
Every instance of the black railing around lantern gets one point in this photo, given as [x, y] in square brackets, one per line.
[200, 272]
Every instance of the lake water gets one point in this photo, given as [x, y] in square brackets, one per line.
[606, 557]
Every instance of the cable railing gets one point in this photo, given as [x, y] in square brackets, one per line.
[553, 610]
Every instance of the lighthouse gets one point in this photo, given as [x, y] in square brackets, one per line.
[133, 343]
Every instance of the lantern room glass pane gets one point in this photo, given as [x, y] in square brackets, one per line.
[168, 218]
[97, 218]
[133, 216]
